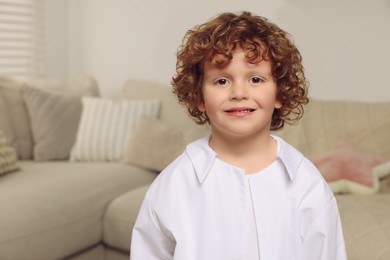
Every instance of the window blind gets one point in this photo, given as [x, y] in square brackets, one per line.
[22, 38]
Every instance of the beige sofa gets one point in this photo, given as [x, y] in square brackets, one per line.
[55, 209]
[86, 210]
[61, 209]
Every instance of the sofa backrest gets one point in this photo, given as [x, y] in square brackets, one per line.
[171, 111]
[326, 123]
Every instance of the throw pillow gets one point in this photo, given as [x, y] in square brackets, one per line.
[15, 107]
[54, 122]
[19, 124]
[106, 126]
[7, 156]
[5, 122]
[348, 170]
[155, 144]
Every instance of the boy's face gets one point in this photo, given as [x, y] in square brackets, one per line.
[239, 98]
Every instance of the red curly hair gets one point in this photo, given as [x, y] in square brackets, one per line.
[260, 39]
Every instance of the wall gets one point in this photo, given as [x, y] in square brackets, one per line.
[57, 38]
[344, 44]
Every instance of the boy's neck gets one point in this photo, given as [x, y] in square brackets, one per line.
[251, 153]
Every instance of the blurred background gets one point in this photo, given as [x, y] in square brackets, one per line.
[344, 43]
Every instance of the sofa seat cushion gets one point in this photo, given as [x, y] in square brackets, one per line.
[50, 210]
[120, 218]
[366, 225]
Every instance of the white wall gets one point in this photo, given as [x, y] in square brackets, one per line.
[344, 43]
[57, 38]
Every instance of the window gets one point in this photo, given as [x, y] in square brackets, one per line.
[22, 38]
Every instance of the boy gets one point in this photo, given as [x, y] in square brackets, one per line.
[239, 193]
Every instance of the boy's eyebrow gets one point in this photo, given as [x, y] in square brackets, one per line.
[220, 73]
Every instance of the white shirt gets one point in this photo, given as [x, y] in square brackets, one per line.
[251, 238]
[195, 210]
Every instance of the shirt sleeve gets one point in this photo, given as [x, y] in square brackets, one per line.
[324, 239]
[149, 240]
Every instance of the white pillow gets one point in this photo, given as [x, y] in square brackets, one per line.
[106, 126]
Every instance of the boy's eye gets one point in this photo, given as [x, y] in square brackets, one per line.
[222, 81]
[256, 80]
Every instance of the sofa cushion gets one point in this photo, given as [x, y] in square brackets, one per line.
[347, 169]
[106, 126]
[5, 123]
[98, 252]
[120, 218]
[366, 225]
[79, 86]
[154, 143]
[113, 254]
[54, 121]
[11, 92]
[325, 123]
[20, 139]
[50, 210]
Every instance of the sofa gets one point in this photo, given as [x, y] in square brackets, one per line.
[77, 172]
[63, 197]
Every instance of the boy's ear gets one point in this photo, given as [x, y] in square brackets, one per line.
[201, 107]
[278, 104]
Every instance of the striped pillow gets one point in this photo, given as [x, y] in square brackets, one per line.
[7, 156]
[106, 126]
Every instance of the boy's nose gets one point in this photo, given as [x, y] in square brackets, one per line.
[238, 92]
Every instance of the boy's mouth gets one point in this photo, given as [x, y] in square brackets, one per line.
[241, 110]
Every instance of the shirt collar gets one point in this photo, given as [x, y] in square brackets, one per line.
[289, 156]
[203, 157]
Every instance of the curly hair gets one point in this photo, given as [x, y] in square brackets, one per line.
[260, 39]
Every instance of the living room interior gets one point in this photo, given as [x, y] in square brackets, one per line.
[68, 195]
